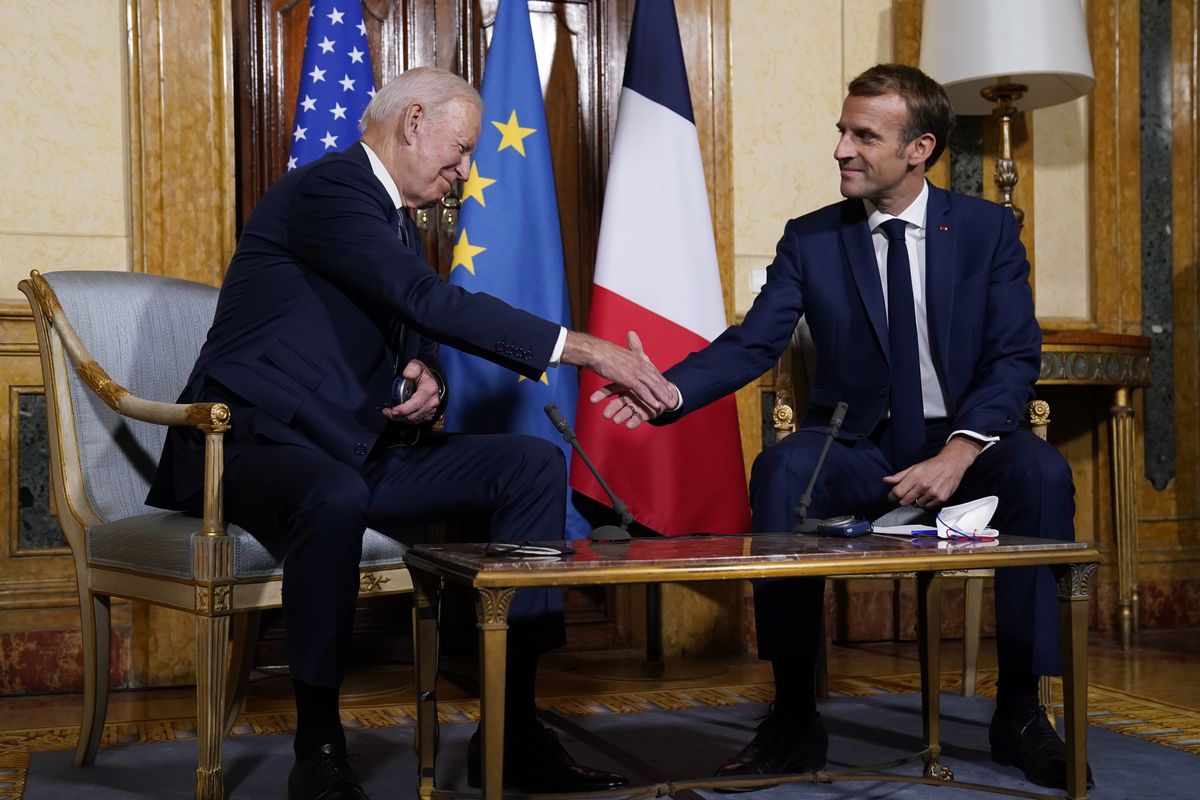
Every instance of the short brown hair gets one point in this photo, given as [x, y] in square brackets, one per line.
[929, 109]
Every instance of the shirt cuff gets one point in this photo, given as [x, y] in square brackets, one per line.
[556, 353]
[987, 441]
[679, 394]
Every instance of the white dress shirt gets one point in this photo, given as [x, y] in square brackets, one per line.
[932, 396]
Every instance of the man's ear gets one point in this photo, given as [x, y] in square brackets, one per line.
[413, 116]
[920, 148]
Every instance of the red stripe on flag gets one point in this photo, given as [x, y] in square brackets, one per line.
[682, 478]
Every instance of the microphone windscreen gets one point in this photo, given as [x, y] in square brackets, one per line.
[839, 415]
[556, 417]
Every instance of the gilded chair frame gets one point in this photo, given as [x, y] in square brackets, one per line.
[226, 609]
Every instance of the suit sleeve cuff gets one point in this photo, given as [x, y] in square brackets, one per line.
[556, 353]
[986, 441]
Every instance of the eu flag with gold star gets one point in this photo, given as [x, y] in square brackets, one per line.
[509, 245]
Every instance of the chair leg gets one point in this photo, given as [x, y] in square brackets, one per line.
[96, 635]
[972, 613]
[241, 659]
[212, 667]
[1046, 698]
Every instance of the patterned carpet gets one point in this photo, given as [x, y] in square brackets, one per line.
[1127, 714]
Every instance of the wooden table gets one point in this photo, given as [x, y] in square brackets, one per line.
[496, 578]
[1122, 362]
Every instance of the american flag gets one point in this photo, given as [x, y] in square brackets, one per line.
[337, 82]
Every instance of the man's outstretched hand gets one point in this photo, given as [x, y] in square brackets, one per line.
[638, 390]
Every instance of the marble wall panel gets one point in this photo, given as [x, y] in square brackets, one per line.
[19, 253]
[1060, 188]
[37, 529]
[65, 153]
[786, 93]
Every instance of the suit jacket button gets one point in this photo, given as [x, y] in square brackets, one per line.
[360, 449]
[883, 391]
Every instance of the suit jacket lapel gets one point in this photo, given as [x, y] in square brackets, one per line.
[940, 235]
[856, 239]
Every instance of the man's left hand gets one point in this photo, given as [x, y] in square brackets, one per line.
[422, 407]
[930, 483]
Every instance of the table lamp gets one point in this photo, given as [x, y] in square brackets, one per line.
[989, 55]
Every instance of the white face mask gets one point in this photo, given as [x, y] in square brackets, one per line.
[968, 520]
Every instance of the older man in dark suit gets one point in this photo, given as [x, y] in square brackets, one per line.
[327, 300]
[919, 306]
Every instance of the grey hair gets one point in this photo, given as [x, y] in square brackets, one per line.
[430, 86]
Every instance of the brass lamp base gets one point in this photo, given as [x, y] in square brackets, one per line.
[1004, 95]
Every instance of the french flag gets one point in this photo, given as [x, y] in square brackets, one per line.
[656, 273]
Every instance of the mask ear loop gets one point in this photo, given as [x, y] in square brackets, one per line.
[957, 533]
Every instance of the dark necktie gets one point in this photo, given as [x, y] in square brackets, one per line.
[396, 328]
[908, 413]
[403, 226]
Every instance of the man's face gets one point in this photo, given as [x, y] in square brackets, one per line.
[874, 164]
[442, 152]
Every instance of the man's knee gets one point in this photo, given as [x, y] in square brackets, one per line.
[537, 462]
[337, 502]
[1035, 465]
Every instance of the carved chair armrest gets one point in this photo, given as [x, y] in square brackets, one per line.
[212, 418]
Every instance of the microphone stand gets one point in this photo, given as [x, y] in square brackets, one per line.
[653, 666]
[803, 524]
[603, 533]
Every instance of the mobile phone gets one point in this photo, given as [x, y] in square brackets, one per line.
[402, 389]
[844, 527]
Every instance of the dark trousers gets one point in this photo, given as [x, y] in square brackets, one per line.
[1036, 498]
[314, 510]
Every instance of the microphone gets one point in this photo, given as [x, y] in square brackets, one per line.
[803, 524]
[604, 533]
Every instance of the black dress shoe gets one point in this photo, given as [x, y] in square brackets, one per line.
[535, 761]
[1027, 741]
[784, 744]
[325, 775]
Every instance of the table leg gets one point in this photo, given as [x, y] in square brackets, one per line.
[426, 597]
[929, 633]
[1073, 585]
[491, 610]
[1125, 513]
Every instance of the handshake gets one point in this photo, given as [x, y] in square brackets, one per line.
[637, 390]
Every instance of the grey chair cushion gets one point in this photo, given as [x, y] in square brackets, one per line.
[161, 543]
[145, 331]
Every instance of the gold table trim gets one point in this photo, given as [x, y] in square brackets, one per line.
[496, 580]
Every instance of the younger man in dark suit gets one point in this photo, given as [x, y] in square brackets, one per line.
[326, 300]
[919, 306]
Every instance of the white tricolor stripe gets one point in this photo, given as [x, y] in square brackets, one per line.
[656, 245]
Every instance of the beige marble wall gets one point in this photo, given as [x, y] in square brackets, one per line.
[65, 203]
[791, 61]
[1060, 198]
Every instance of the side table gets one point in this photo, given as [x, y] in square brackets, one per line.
[1082, 358]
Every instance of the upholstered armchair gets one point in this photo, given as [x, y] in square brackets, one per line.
[114, 347]
[793, 376]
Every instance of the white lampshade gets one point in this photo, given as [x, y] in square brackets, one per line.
[967, 45]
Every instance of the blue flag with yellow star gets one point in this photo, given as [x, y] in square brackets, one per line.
[509, 245]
